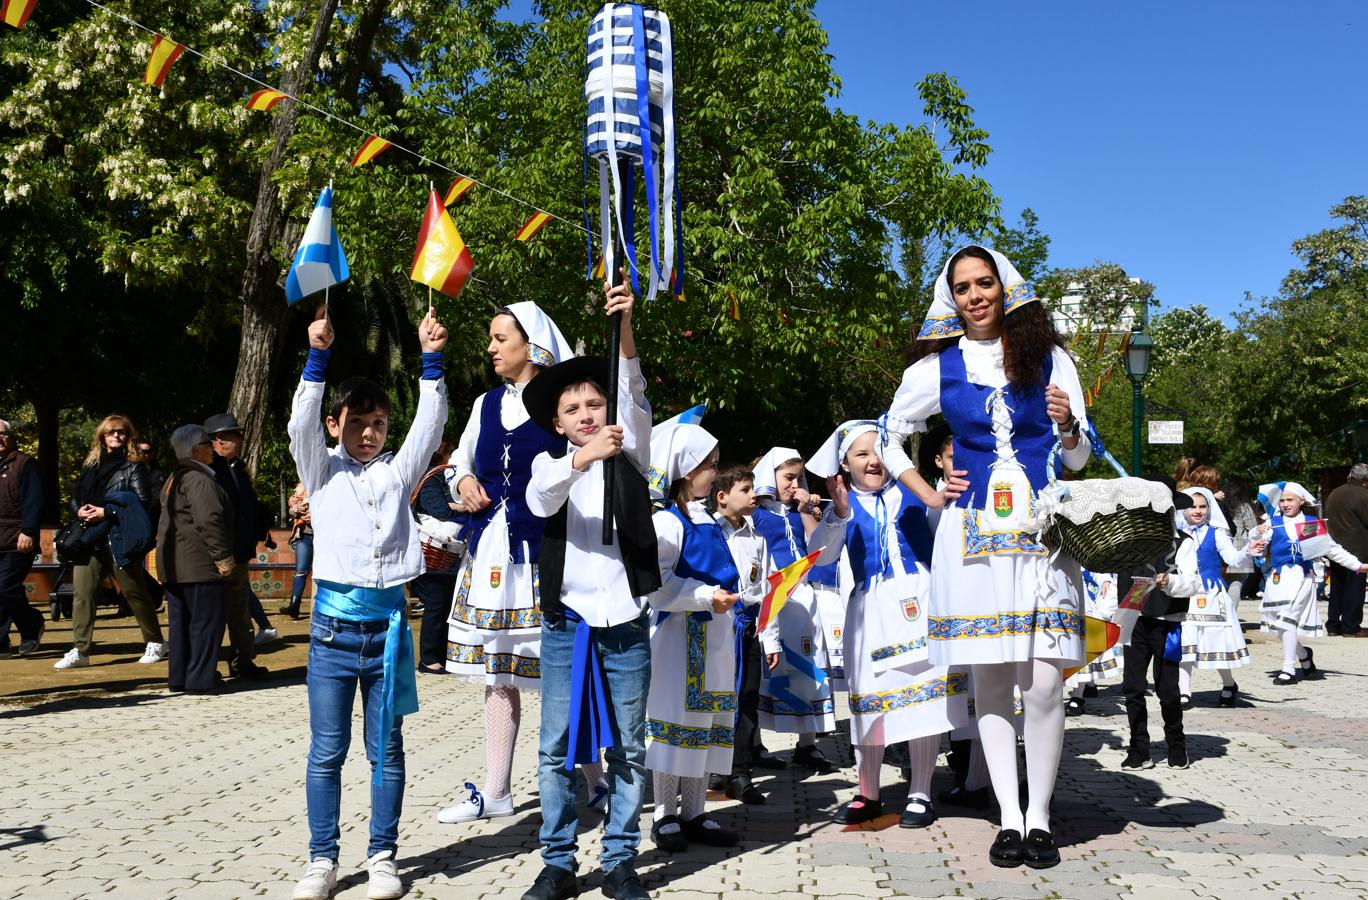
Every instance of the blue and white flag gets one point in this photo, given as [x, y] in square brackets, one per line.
[319, 262]
[691, 416]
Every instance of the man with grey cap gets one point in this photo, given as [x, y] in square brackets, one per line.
[1346, 512]
[249, 529]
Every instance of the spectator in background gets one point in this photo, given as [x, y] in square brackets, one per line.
[21, 504]
[156, 480]
[195, 547]
[1346, 513]
[111, 467]
[1243, 517]
[301, 542]
[435, 589]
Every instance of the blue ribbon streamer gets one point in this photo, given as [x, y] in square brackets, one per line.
[399, 689]
[643, 99]
[591, 717]
[745, 618]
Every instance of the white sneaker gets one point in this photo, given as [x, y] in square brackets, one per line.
[476, 806]
[384, 877]
[318, 882]
[74, 659]
[266, 635]
[155, 653]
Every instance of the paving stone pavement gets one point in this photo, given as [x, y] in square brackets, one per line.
[145, 795]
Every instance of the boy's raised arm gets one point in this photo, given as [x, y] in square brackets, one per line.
[426, 432]
[308, 445]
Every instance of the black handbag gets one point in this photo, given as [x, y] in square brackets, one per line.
[69, 544]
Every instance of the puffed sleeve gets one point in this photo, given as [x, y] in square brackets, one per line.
[916, 400]
[1066, 377]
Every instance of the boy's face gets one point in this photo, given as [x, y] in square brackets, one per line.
[945, 459]
[580, 412]
[362, 435]
[739, 501]
[788, 478]
[1290, 505]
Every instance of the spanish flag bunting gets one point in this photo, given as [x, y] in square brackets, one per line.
[1097, 386]
[1087, 397]
[782, 584]
[1125, 342]
[442, 260]
[165, 52]
[264, 100]
[1101, 343]
[1099, 636]
[532, 225]
[16, 12]
[457, 189]
[370, 148]
[733, 307]
[599, 270]
[675, 288]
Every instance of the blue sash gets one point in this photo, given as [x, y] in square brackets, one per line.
[591, 718]
[399, 692]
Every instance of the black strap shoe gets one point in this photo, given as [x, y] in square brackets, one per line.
[741, 788]
[1007, 851]
[1228, 695]
[705, 830]
[671, 840]
[918, 814]
[623, 884]
[810, 757]
[1040, 849]
[554, 883]
[858, 809]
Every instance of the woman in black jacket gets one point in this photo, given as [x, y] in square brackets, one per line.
[112, 465]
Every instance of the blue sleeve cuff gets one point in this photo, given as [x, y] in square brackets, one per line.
[316, 366]
[432, 366]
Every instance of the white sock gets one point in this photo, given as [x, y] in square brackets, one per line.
[921, 754]
[1227, 677]
[1185, 679]
[503, 709]
[693, 797]
[593, 776]
[1291, 651]
[868, 760]
[666, 787]
[1044, 737]
[993, 684]
[977, 776]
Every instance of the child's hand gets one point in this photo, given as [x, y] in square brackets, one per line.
[432, 335]
[619, 299]
[606, 444]
[840, 495]
[1161, 580]
[772, 660]
[723, 600]
[321, 333]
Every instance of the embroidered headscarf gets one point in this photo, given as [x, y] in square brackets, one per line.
[826, 462]
[1215, 518]
[676, 450]
[943, 318]
[765, 484]
[546, 346]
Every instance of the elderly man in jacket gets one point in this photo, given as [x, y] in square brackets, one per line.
[195, 557]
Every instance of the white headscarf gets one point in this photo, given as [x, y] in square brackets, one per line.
[826, 462]
[546, 346]
[676, 450]
[765, 484]
[943, 318]
[1215, 518]
[1269, 495]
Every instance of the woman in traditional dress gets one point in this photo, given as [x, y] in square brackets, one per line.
[989, 359]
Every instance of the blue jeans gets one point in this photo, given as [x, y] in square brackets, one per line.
[303, 550]
[626, 653]
[341, 655]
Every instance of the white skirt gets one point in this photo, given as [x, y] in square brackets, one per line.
[796, 697]
[494, 632]
[1289, 602]
[1006, 607]
[691, 707]
[1211, 637]
[896, 692]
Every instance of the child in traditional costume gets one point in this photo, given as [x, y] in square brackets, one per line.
[1100, 603]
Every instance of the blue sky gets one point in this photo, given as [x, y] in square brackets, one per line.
[1189, 142]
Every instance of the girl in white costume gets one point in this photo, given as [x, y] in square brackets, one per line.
[1211, 635]
[1295, 540]
[990, 360]
[495, 624]
[896, 693]
[1100, 603]
[691, 707]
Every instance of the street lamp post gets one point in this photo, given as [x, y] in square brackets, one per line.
[1137, 368]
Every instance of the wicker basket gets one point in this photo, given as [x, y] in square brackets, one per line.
[438, 556]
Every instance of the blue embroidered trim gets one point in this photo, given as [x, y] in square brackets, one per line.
[494, 663]
[901, 698]
[825, 707]
[984, 543]
[696, 697]
[540, 356]
[949, 628]
[898, 649]
[689, 737]
[1017, 295]
[940, 327]
[495, 619]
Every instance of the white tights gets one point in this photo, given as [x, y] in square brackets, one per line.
[921, 754]
[1040, 682]
[1185, 678]
[674, 795]
[1293, 651]
[503, 710]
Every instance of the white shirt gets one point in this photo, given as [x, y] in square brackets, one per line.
[754, 563]
[594, 583]
[512, 414]
[364, 531]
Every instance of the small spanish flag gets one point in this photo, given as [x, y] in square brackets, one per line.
[264, 100]
[1125, 342]
[1088, 397]
[370, 148]
[457, 189]
[442, 260]
[676, 288]
[16, 12]
[599, 270]
[1101, 343]
[733, 307]
[165, 52]
[532, 225]
[1099, 636]
[782, 584]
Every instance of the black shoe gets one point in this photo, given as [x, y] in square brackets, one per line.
[1089, 690]
[764, 761]
[1007, 852]
[740, 788]
[1185, 702]
[424, 670]
[959, 796]
[247, 670]
[860, 809]
[672, 841]
[918, 814]
[1040, 852]
[291, 610]
[810, 757]
[698, 832]
[1284, 679]
[28, 646]
[1073, 707]
[1228, 695]
[622, 883]
[1334, 630]
[1178, 758]
[554, 883]
[717, 782]
[1138, 759]
[175, 689]
[1308, 665]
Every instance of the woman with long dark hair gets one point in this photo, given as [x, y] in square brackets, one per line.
[990, 360]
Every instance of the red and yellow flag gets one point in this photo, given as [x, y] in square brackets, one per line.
[675, 287]
[458, 188]
[532, 225]
[733, 307]
[441, 260]
[264, 100]
[370, 148]
[16, 12]
[1099, 636]
[782, 584]
[1088, 397]
[165, 52]
[599, 270]
[1125, 342]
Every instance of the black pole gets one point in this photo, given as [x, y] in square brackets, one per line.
[614, 352]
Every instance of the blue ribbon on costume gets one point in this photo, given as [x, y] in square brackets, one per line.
[779, 685]
[643, 99]
[745, 618]
[399, 689]
[591, 718]
[1173, 643]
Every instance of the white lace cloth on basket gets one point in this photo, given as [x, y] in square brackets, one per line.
[1082, 501]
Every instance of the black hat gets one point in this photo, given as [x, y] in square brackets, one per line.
[542, 394]
[1182, 500]
[221, 423]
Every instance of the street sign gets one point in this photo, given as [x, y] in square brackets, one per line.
[1165, 432]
